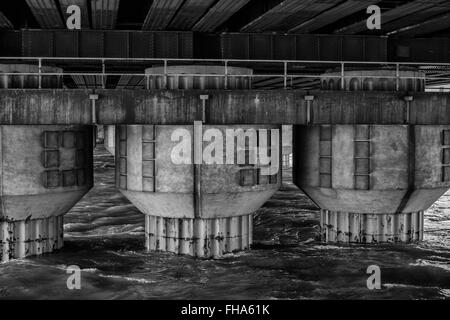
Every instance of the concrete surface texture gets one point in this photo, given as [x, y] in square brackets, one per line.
[45, 170]
[197, 209]
[372, 182]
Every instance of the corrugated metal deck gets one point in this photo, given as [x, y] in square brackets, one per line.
[46, 13]
[218, 14]
[160, 14]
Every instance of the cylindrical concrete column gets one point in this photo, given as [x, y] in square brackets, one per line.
[44, 171]
[197, 208]
[198, 77]
[373, 182]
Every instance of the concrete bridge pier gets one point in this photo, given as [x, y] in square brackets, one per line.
[44, 171]
[373, 182]
[202, 210]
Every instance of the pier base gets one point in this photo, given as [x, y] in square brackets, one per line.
[19, 239]
[110, 139]
[203, 238]
[371, 228]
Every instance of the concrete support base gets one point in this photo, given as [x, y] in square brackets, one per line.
[346, 227]
[19, 239]
[204, 238]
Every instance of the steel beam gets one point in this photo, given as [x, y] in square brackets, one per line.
[332, 15]
[442, 22]
[160, 14]
[423, 15]
[171, 44]
[288, 14]
[131, 82]
[398, 12]
[89, 81]
[46, 13]
[303, 47]
[4, 22]
[117, 44]
[190, 12]
[104, 13]
[218, 15]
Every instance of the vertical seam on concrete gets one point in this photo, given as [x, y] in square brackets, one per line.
[2, 173]
[197, 169]
[411, 167]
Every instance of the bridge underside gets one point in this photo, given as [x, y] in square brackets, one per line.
[371, 140]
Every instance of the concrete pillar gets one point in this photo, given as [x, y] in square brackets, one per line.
[373, 182]
[287, 147]
[44, 171]
[202, 210]
[100, 134]
[110, 139]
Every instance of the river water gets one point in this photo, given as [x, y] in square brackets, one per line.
[104, 236]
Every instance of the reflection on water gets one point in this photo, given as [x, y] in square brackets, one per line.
[104, 236]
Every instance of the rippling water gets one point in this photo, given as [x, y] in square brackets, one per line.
[104, 235]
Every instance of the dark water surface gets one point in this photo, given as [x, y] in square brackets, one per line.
[104, 236]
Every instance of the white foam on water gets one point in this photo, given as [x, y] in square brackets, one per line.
[429, 263]
[138, 280]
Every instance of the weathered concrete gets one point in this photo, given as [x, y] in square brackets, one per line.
[45, 170]
[203, 210]
[371, 170]
[147, 176]
[110, 139]
[46, 106]
[372, 182]
[177, 107]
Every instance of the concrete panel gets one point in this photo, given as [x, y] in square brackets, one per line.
[22, 162]
[429, 157]
[134, 158]
[343, 165]
[430, 108]
[306, 156]
[218, 178]
[423, 199]
[171, 177]
[389, 157]
[356, 201]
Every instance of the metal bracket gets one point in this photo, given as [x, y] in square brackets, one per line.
[308, 99]
[408, 100]
[204, 98]
[93, 98]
